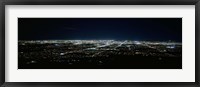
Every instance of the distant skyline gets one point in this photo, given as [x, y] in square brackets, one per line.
[151, 29]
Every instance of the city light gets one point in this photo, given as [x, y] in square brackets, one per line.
[95, 52]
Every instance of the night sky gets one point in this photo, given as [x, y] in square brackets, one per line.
[151, 29]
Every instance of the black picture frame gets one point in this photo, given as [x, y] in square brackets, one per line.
[99, 2]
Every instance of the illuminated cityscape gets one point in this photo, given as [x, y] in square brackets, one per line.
[100, 43]
[99, 54]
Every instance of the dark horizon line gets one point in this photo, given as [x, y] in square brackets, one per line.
[102, 39]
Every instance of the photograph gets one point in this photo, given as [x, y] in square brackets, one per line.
[99, 43]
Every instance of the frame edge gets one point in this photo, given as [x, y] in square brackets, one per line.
[197, 42]
[2, 44]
